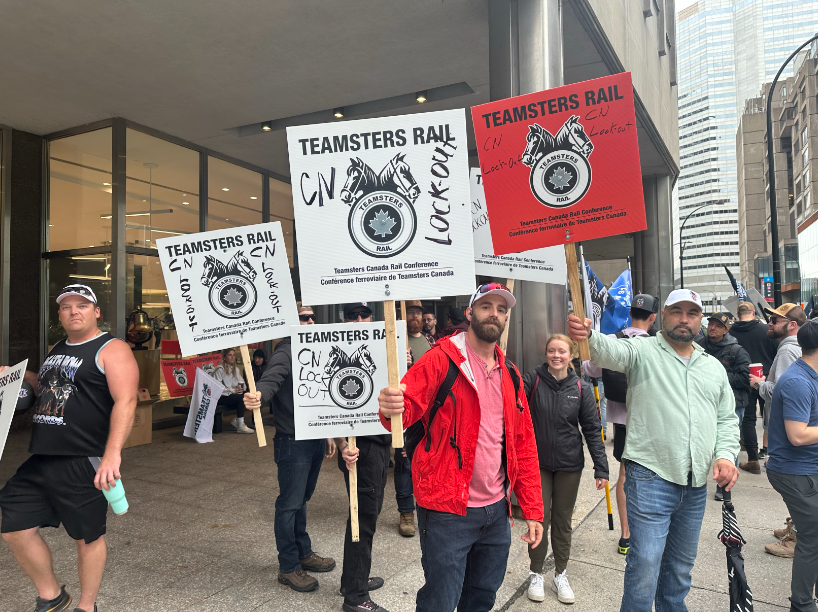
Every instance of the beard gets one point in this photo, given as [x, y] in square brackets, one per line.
[414, 326]
[489, 329]
[681, 333]
[427, 327]
[775, 334]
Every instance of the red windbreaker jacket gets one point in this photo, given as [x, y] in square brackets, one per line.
[438, 482]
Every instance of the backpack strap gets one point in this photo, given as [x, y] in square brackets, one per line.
[579, 388]
[443, 392]
[533, 392]
[515, 380]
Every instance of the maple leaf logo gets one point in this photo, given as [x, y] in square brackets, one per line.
[382, 224]
[561, 178]
[351, 388]
[233, 297]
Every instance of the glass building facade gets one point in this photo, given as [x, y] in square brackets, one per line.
[726, 50]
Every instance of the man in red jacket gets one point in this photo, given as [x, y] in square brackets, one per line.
[481, 449]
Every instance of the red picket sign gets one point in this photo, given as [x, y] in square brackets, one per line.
[180, 374]
[561, 165]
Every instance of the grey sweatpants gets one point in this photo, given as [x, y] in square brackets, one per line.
[559, 494]
[800, 493]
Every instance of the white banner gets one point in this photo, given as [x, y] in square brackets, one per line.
[228, 287]
[382, 208]
[338, 371]
[10, 382]
[206, 393]
[546, 265]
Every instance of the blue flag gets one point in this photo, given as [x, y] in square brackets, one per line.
[596, 296]
[617, 311]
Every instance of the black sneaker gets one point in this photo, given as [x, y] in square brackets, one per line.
[762, 453]
[624, 545]
[373, 584]
[61, 602]
[367, 606]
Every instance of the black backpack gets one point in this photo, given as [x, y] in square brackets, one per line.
[616, 383]
[416, 432]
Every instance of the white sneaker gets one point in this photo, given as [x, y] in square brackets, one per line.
[563, 590]
[241, 427]
[536, 590]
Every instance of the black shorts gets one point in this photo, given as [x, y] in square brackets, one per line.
[619, 441]
[49, 490]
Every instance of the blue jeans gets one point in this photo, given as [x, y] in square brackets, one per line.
[403, 483]
[299, 462]
[464, 558]
[665, 520]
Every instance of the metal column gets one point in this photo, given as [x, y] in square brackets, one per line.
[116, 314]
[525, 55]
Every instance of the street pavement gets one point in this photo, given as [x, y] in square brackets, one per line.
[199, 536]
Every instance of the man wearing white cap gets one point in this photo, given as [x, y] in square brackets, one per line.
[85, 408]
[481, 438]
[681, 417]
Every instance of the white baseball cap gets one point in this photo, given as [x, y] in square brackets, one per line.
[493, 289]
[81, 290]
[683, 295]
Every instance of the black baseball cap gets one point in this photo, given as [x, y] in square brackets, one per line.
[348, 308]
[646, 302]
[456, 315]
[808, 335]
[725, 318]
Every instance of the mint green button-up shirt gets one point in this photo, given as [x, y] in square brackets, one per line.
[680, 417]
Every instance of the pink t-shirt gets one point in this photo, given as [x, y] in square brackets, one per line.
[487, 480]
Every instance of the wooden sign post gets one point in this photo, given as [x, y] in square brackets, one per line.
[251, 385]
[353, 493]
[504, 336]
[576, 294]
[392, 356]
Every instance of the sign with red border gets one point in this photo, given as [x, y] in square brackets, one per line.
[561, 165]
[180, 374]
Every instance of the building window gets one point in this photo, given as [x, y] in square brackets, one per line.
[234, 195]
[79, 191]
[805, 157]
[804, 136]
[162, 189]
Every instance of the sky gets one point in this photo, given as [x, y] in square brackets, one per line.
[683, 4]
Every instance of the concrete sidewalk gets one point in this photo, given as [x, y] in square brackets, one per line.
[199, 536]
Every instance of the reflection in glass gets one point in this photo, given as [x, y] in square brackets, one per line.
[79, 191]
[281, 209]
[162, 189]
[233, 195]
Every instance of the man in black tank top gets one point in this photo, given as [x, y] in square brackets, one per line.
[85, 408]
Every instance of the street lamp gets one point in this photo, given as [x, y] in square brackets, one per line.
[771, 172]
[682, 246]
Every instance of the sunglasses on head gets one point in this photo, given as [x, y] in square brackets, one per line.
[491, 287]
[358, 314]
[306, 317]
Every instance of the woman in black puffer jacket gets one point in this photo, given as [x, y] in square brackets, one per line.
[561, 404]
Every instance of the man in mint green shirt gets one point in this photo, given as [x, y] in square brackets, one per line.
[681, 417]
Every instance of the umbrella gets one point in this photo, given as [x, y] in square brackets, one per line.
[741, 598]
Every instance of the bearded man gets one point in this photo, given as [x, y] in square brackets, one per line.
[481, 438]
[681, 420]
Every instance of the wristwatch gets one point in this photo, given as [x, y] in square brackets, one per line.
[756, 386]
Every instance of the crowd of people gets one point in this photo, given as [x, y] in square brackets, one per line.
[682, 398]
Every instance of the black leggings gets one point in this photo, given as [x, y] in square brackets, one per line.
[234, 401]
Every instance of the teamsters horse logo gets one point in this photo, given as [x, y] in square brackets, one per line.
[232, 292]
[560, 173]
[382, 218]
[350, 377]
[181, 376]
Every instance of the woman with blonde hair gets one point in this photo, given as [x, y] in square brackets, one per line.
[228, 374]
[561, 404]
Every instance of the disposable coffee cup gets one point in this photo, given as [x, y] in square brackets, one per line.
[116, 497]
[757, 370]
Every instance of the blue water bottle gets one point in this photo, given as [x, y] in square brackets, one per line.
[116, 494]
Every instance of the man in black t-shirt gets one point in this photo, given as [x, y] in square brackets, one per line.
[85, 408]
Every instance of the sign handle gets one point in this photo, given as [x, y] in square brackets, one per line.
[353, 492]
[504, 336]
[251, 385]
[392, 356]
[576, 294]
